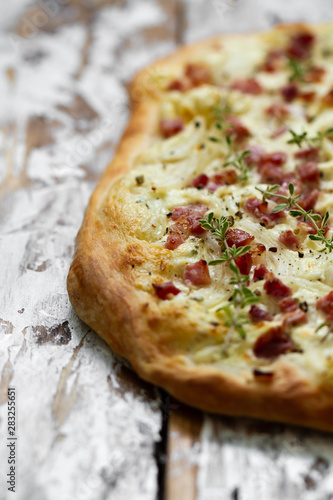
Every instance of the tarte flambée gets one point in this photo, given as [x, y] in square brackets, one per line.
[205, 254]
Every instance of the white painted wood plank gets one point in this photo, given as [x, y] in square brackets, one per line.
[205, 19]
[248, 459]
[87, 426]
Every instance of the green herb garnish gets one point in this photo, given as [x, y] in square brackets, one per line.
[242, 295]
[297, 71]
[309, 141]
[238, 162]
[291, 203]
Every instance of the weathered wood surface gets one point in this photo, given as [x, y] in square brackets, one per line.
[87, 427]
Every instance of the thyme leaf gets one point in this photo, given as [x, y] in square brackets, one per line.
[297, 71]
[309, 141]
[238, 162]
[290, 202]
[241, 295]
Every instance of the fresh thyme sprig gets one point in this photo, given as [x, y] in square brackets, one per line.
[218, 227]
[220, 112]
[297, 71]
[290, 203]
[235, 323]
[221, 140]
[238, 162]
[235, 159]
[297, 138]
[242, 295]
[309, 141]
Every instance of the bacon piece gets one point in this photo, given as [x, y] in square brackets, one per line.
[244, 263]
[198, 74]
[171, 126]
[164, 290]
[195, 226]
[187, 223]
[307, 96]
[237, 131]
[277, 158]
[278, 110]
[181, 228]
[247, 86]
[308, 154]
[288, 305]
[309, 198]
[290, 92]
[226, 178]
[256, 206]
[296, 317]
[180, 212]
[260, 210]
[185, 211]
[180, 84]
[257, 249]
[273, 61]
[260, 158]
[327, 100]
[301, 45]
[257, 252]
[199, 182]
[260, 273]
[271, 174]
[270, 219]
[292, 177]
[197, 274]
[325, 304]
[258, 315]
[309, 172]
[315, 74]
[195, 74]
[290, 240]
[273, 343]
[275, 288]
[173, 241]
[238, 237]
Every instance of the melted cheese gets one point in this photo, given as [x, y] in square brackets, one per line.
[170, 164]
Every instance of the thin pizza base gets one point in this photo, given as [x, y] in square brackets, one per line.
[158, 337]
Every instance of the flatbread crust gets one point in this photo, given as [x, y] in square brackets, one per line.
[156, 336]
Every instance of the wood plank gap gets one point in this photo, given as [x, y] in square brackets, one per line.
[183, 450]
[161, 445]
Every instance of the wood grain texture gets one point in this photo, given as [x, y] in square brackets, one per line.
[184, 448]
[87, 426]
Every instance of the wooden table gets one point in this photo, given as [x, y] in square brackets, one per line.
[87, 427]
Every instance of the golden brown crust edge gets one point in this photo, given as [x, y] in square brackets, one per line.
[109, 304]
